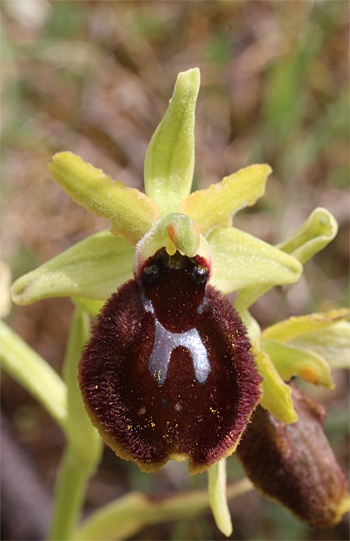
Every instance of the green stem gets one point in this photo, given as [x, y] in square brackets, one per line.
[69, 497]
[128, 515]
[34, 374]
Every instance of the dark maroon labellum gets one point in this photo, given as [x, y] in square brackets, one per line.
[168, 372]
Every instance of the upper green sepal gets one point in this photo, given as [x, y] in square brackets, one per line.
[131, 213]
[169, 159]
[93, 268]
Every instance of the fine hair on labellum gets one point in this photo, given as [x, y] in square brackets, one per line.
[168, 372]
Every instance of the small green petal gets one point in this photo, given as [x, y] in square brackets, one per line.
[295, 326]
[131, 213]
[169, 159]
[218, 498]
[277, 396]
[93, 268]
[241, 260]
[333, 344]
[215, 206]
[312, 236]
[290, 361]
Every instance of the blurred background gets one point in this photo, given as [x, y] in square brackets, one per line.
[95, 77]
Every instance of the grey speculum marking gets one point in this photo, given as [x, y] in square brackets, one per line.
[164, 344]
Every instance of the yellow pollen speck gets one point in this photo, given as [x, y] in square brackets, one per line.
[96, 387]
[152, 424]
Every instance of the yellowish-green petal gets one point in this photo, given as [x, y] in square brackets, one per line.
[290, 361]
[215, 206]
[169, 159]
[295, 326]
[93, 268]
[332, 343]
[312, 236]
[241, 260]
[130, 212]
[277, 396]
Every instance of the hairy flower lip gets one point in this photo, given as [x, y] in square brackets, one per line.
[178, 403]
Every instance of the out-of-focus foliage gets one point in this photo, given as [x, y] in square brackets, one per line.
[94, 78]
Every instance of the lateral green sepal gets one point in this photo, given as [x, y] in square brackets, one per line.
[241, 260]
[93, 268]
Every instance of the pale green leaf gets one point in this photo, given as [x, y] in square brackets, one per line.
[131, 213]
[290, 361]
[241, 260]
[93, 268]
[215, 206]
[277, 396]
[332, 343]
[34, 374]
[169, 159]
[217, 497]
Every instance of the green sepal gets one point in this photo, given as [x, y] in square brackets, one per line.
[312, 236]
[218, 498]
[169, 159]
[241, 260]
[277, 396]
[215, 206]
[131, 213]
[93, 268]
[295, 326]
[332, 343]
[290, 361]
[83, 438]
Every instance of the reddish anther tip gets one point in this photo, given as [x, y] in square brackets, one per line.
[168, 372]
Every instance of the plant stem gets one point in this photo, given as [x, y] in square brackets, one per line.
[69, 499]
[128, 515]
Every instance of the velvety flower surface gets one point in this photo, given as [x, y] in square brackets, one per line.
[168, 372]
